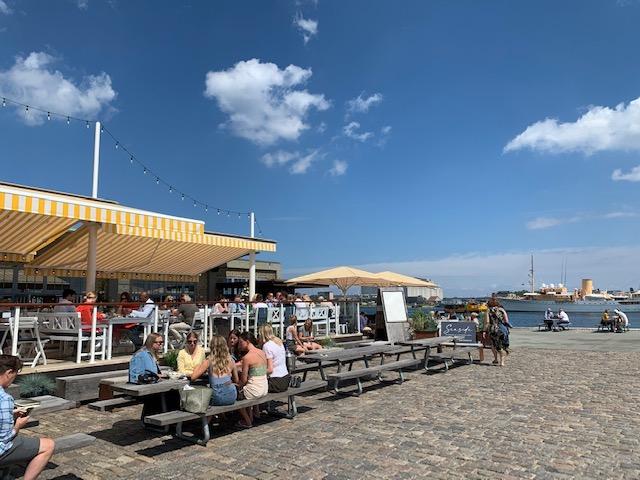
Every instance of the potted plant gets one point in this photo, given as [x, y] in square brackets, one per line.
[423, 325]
[170, 359]
[36, 385]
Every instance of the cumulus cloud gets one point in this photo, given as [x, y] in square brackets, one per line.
[541, 223]
[339, 168]
[4, 8]
[32, 80]
[83, 4]
[599, 129]
[299, 163]
[361, 104]
[351, 131]
[262, 102]
[308, 28]
[632, 176]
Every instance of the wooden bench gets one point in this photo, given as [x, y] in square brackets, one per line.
[304, 368]
[111, 403]
[178, 417]
[374, 370]
[84, 387]
[450, 356]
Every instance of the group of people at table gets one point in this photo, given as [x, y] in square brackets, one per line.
[181, 312]
[616, 322]
[238, 367]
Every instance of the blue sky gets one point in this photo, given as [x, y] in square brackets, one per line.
[445, 139]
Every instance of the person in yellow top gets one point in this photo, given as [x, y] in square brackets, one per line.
[191, 355]
[605, 321]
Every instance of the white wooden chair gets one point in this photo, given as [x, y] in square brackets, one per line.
[320, 318]
[67, 327]
[275, 316]
[30, 345]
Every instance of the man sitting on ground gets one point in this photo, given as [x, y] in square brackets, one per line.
[15, 448]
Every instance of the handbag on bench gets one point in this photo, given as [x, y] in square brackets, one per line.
[195, 399]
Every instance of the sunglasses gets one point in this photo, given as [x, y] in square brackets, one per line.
[192, 342]
[158, 343]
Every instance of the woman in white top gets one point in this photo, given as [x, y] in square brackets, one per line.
[276, 360]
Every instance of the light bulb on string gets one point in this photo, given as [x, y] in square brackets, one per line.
[206, 208]
[144, 170]
[117, 145]
[87, 124]
[228, 214]
[68, 120]
[182, 196]
[218, 211]
[194, 204]
[238, 216]
[101, 129]
[170, 189]
[157, 181]
[48, 115]
[4, 102]
[131, 159]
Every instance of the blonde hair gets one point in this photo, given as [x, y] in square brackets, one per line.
[266, 334]
[149, 341]
[219, 356]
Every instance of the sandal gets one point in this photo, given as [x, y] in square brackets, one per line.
[242, 425]
[495, 362]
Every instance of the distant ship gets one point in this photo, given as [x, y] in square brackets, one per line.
[557, 297]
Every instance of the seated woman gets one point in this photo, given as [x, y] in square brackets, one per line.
[276, 360]
[191, 356]
[145, 360]
[86, 311]
[253, 377]
[222, 372]
[232, 343]
[221, 306]
[294, 342]
[306, 335]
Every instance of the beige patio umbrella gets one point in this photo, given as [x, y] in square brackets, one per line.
[398, 279]
[342, 277]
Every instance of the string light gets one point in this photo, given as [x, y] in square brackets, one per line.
[119, 146]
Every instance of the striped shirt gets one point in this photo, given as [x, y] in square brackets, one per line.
[7, 433]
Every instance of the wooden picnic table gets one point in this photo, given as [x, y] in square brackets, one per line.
[147, 391]
[345, 356]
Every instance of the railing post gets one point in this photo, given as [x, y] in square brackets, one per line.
[155, 318]
[358, 316]
[247, 316]
[282, 335]
[94, 322]
[14, 334]
[205, 332]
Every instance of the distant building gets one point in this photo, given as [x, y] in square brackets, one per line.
[412, 294]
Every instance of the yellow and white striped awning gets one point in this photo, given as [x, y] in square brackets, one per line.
[47, 230]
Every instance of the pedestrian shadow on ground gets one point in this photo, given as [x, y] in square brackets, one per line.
[17, 471]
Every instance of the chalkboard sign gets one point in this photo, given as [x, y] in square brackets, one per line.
[464, 331]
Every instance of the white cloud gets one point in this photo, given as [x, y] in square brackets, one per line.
[362, 105]
[31, 80]
[308, 27]
[299, 162]
[350, 131]
[278, 158]
[479, 273]
[339, 168]
[386, 130]
[302, 164]
[261, 101]
[541, 223]
[600, 129]
[4, 8]
[632, 176]
[322, 127]
[83, 4]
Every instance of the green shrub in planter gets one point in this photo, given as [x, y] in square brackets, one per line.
[35, 385]
[327, 342]
[171, 359]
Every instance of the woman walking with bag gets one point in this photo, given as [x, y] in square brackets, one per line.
[496, 326]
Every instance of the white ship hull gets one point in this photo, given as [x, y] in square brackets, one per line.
[578, 306]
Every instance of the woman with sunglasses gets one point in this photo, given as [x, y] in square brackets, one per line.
[190, 356]
[145, 360]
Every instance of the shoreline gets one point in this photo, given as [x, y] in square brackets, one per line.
[576, 339]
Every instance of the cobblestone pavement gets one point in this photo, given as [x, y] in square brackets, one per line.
[547, 414]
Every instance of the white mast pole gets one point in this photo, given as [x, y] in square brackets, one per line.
[252, 260]
[92, 226]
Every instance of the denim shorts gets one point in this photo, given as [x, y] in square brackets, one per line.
[223, 394]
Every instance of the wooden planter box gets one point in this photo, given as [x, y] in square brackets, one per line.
[419, 334]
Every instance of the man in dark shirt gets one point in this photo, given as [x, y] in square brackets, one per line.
[185, 312]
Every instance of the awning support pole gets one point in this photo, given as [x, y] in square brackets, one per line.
[94, 322]
[252, 261]
[93, 228]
